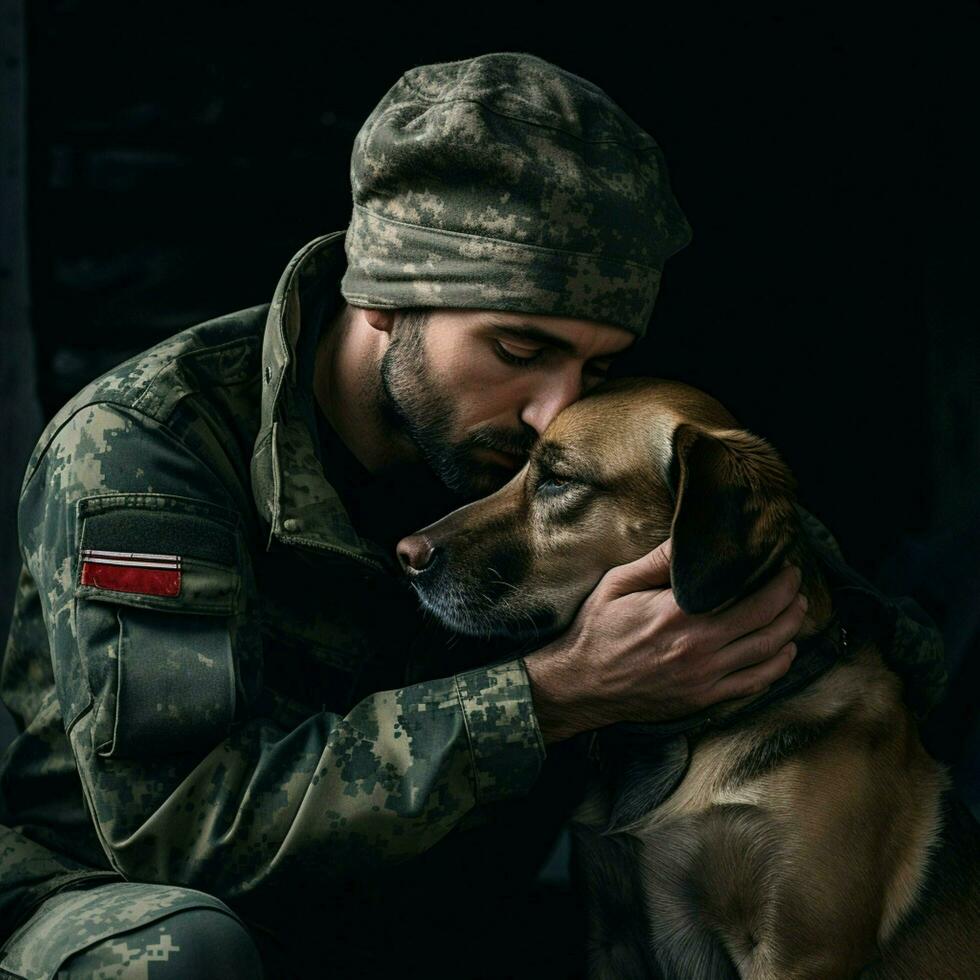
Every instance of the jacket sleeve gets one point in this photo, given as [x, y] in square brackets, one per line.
[184, 784]
[913, 644]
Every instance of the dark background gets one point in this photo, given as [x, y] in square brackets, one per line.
[163, 161]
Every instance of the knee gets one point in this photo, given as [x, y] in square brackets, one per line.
[193, 944]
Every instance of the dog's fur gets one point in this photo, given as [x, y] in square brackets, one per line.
[813, 838]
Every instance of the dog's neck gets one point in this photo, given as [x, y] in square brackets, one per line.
[823, 646]
[642, 764]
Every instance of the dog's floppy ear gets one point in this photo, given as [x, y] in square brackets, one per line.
[733, 515]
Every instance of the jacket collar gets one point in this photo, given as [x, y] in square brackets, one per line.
[291, 492]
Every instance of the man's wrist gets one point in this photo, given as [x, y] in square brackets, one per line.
[557, 702]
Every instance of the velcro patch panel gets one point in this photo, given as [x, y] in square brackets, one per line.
[135, 572]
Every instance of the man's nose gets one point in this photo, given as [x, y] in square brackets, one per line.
[551, 399]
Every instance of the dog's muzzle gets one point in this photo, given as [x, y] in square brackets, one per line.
[463, 597]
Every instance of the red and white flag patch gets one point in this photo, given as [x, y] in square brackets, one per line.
[123, 571]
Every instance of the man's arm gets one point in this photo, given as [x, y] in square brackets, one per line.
[184, 783]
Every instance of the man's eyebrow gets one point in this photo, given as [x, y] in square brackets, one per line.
[528, 331]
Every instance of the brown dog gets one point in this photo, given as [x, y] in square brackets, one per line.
[804, 833]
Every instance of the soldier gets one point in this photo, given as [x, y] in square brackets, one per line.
[242, 751]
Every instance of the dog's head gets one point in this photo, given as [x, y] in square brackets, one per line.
[616, 473]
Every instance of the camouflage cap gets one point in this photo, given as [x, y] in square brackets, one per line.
[504, 182]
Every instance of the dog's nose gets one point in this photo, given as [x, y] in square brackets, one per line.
[414, 552]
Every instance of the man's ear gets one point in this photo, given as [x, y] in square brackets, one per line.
[734, 517]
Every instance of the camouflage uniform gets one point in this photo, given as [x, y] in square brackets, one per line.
[263, 734]
[95, 933]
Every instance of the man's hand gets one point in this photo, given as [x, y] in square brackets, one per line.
[632, 654]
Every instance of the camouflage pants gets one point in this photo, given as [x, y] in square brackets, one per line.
[132, 931]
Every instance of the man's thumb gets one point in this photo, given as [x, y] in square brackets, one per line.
[649, 571]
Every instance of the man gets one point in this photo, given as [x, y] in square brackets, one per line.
[242, 747]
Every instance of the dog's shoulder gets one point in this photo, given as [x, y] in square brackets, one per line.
[856, 706]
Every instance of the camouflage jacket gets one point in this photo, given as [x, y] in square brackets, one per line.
[248, 725]
[221, 727]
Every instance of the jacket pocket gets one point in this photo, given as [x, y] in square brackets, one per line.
[158, 588]
[175, 685]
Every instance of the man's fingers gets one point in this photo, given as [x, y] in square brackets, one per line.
[650, 571]
[753, 680]
[760, 608]
[762, 644]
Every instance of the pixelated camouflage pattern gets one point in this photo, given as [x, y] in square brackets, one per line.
[99, 924]
[505, 182]
[319, 760]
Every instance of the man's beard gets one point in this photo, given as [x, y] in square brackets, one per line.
[410, 401]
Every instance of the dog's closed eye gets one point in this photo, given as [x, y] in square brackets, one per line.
[554, 485]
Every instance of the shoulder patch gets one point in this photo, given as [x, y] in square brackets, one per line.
[131, 572]
[160, 551]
